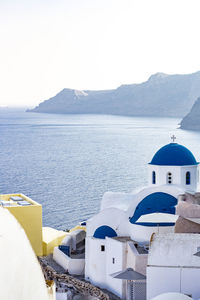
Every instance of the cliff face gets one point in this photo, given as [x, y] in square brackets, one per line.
[192, 120]
[161, 95]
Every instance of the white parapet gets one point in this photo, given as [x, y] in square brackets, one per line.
[74, 266]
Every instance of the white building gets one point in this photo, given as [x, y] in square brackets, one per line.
[172, 265]
[110, 255]
[113, 235]
[70, 255]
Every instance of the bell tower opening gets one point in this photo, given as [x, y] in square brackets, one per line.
[187, 178]
[169, 178]
[153, 177]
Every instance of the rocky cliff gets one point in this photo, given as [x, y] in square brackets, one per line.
[192, 120]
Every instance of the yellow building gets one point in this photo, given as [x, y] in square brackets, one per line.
[29, 214]
[51, 238]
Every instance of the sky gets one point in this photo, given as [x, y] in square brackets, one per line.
[48, 45]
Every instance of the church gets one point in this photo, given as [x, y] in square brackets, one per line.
[118, 236]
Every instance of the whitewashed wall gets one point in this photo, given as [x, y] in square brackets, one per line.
[115, 250]
[72, 265]
[95, 261]
[172, 265]
[181, 280]
[135, 260]
[178, 175]
[162, 280]
[193, 179]
[190, 282]
[142, 234]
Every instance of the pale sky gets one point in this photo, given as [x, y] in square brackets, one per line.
[48, 45]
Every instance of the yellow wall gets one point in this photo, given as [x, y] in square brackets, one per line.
[30, 218]
[51, 239]
[78, 227]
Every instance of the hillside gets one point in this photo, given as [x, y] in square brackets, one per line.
[161, 95]
[192, 120]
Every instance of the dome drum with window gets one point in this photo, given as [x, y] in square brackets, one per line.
[174, 164]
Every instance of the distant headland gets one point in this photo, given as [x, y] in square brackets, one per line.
[161, 95]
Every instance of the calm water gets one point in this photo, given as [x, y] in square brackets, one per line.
[67, 162]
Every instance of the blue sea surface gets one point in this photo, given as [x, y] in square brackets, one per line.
[67, 162]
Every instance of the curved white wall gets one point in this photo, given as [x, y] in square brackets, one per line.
[112, 217]
[142, 234]
[21, 277]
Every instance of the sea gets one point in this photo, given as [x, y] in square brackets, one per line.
[67, 162]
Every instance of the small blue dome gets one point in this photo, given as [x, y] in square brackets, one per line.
[103, 231]
[173, 154]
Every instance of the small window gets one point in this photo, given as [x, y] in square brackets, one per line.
[113, 260]
[153, 177]
[169, 178]
[102, 248]
[187, 178]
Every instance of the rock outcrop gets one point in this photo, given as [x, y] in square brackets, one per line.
[192, 120]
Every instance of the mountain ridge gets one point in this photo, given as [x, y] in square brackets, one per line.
[161, 95]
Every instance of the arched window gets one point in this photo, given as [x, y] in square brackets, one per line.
[187, 178]
[169, 178]
[153, 177]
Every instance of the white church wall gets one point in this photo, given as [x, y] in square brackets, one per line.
[142, 234]
[193, 177]
[173, 279]
[190, 282]
[178, 176]
[115, 261]
[95, 261]
[174, 249]
[162, 280]
[161, 174]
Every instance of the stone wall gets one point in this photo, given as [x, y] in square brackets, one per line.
[82, 289]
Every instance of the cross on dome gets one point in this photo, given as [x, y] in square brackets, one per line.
[173, 138]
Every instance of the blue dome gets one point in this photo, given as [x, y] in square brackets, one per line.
[103, 231]
[173, 154]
